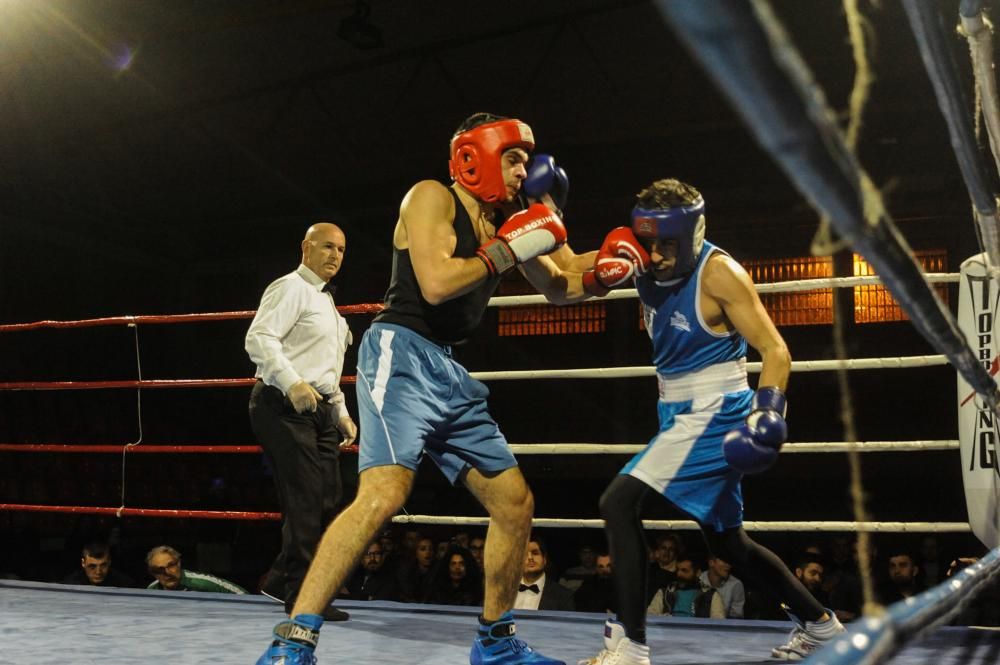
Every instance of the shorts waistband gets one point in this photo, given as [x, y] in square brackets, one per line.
[411, 334]
[728, 377]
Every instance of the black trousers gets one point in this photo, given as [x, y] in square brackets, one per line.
[303, 449]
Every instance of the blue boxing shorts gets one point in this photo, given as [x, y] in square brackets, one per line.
[684, 461]
[414, 398]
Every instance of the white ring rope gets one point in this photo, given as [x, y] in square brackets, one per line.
[812, 447]
[774, 287]
[689, 525]
[903, 362]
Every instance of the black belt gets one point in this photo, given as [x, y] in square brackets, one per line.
[326, 398]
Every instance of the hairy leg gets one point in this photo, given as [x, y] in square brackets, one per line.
[511, 505]
[382, 490]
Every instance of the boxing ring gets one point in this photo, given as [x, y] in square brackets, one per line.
[140, 626]
[56, 624]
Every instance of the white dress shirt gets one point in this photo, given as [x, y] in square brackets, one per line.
[298, 335]
[528, 600]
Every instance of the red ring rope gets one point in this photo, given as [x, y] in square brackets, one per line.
[134, 383]
[143, 448]
[143, 512]
[364, 308]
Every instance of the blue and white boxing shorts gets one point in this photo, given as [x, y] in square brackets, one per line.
[414, 398]
[684, 461]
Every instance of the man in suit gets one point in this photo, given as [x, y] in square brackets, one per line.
[536, 592]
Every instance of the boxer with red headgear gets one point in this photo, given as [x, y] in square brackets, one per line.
[449, 251]
[701, 310]
[477, 157]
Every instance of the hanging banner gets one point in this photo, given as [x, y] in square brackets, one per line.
[978, 427]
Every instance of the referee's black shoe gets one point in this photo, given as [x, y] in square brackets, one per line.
[274, 587]
[330, 613]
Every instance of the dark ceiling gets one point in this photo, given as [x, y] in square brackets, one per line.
[161, 157]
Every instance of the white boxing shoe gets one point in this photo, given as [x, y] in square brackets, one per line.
[618, 649]
[807, 636]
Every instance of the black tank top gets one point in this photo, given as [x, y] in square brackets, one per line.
[452, 321]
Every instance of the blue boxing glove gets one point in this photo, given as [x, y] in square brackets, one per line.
[544, 177]
[753, 447]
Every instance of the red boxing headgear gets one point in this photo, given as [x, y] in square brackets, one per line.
[475, 156]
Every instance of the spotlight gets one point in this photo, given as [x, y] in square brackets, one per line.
[358, 31]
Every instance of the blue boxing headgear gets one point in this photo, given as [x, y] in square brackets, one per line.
[685, 224]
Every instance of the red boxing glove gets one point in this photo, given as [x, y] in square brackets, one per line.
[525, 235]
[620, 258]
[622, 243]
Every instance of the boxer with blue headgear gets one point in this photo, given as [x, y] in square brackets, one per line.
[684, 224]
[701, 311]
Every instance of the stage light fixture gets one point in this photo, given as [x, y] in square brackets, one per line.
[358, 30]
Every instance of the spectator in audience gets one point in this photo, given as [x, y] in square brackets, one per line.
[573, 577]
[809, 570]
[164, 563]
[95, 569]
[984, 609]
[666, 549]
[455, 580]
[415, 575]
[842, 581]
[728, 587]
[477, 545]
[536, 591]
[932, 567]
[392, 554]
[687, 596]
[371, 580]
[388, 541]
[441, 548]
[411, 537]
[902, 570]
[461, 538]
[597, 592]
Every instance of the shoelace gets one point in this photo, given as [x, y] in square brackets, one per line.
[518, 646]
[597, 660]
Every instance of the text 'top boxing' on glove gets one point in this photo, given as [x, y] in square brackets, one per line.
[525, 235]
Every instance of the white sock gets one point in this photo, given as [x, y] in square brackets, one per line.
[825, 630]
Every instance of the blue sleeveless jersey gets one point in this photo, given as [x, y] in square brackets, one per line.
[682, 342]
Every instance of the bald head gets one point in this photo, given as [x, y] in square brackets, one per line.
[323, 249]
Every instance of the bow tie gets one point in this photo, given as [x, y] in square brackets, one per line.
[330, 288]
[529, 587]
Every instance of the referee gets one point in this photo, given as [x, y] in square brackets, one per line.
[297, 410]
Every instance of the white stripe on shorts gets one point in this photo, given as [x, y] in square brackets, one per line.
[667, 452]
[381, 379]
[384, 367]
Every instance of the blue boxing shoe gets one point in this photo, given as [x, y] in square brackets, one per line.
[496, 645]
[294, 642]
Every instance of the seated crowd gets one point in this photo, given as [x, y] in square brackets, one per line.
[410, 566]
